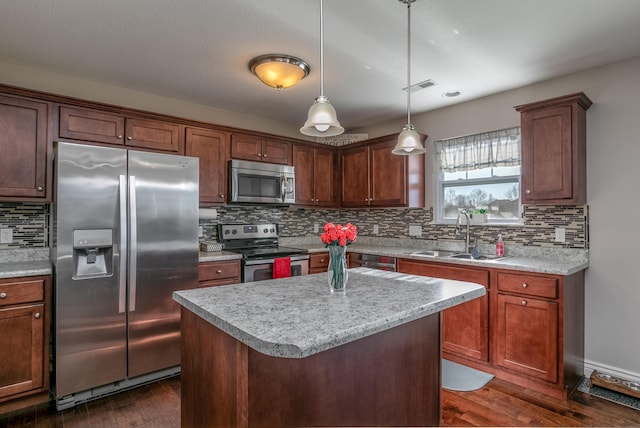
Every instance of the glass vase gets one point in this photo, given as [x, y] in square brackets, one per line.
[337, 272]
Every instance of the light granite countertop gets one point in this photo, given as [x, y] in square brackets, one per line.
[295, 318]
[217, 256]
[24, 262]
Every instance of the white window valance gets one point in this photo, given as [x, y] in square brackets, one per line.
[489, 149]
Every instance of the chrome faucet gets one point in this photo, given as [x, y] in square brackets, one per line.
[466, 242]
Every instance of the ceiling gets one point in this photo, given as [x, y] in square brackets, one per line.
[198, 50]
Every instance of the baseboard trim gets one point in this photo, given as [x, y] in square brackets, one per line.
[590, 366]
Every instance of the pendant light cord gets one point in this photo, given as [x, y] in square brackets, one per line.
[408, 62]
[321, 52]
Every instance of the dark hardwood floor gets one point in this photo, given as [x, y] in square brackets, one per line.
[497, 404]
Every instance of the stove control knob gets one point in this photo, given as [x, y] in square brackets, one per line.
[266, 230]
[226, 232]
[235, 231]
[272, 230]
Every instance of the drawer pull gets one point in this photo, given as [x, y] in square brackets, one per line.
[525, 285]
[37, 315]
[219, 271]
[524, 303]
[321, 260]
[3, 295]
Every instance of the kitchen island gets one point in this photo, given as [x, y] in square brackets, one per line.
[286, 352]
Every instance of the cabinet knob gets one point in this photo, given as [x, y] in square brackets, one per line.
[258, 154]
[40, 189]
[525, 285]
[527, 191]
[3, 295]
[523, 303]
[221, 195]
[119, 136]
[37, 315]
[321, 260]
[219, 271]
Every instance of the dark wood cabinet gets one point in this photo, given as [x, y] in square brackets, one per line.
[211, 148]
[25, 147]
[260, 149]
[554, 148]
[219, 273]
[24, 341]
[318, 262]
[315, 178]
[465, 328]
[108, 128]
[373, 176]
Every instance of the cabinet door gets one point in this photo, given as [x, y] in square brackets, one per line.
[91, 125]
[323, 178]
[246, 147]
[276, 152]
[22, 349]
[465, 327]
[318, 262]
[355, 177]
[210, 147]
[303, 164]
[388, 176]
[527, 336]
[152, 134]
[23, 144]
[547, 162]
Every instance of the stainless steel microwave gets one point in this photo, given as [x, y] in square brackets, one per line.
[262, 183]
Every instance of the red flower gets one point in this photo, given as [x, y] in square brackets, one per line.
[336, 234]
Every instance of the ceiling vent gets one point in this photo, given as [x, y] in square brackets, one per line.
[419, 86]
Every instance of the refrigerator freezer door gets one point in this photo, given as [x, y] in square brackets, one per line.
[163, 224]
[90, 324]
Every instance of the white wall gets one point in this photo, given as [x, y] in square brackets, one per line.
[612, 309]
[613, 127]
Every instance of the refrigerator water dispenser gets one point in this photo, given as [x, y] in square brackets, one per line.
[92, 253]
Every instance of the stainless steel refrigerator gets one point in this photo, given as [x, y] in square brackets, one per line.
[124, 237]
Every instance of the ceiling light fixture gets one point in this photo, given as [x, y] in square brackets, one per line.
[279, 71]
[322, 120]
[408, 140]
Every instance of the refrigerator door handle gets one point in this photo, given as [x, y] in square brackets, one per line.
[122, 293]
[133, 245]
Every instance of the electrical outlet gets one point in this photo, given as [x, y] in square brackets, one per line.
[316, 227]
[6, 236]
[415, 230]
[375, 229]
[560, 234]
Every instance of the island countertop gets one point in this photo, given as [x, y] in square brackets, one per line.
[297, 317]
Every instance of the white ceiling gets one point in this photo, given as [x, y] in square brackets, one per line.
[198, 50]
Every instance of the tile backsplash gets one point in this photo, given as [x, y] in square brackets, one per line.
[30, 224]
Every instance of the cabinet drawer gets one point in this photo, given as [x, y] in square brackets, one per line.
[14, 292]
[319, 261]
[439, 270]
[528, 284]
[218, 270]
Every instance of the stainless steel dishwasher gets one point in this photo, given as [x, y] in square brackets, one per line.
[372, 261]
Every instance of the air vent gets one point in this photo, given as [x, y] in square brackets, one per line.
[419, 86]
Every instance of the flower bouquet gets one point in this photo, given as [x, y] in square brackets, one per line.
[336, 238]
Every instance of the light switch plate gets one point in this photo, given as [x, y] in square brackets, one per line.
[560, 234]
[375, 229]
[6, 236]
[316, 227]
[415, 230]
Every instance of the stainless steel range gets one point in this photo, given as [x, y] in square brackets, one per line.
[259, 246]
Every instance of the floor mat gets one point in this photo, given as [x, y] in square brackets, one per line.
[457, 377]
[607, 394]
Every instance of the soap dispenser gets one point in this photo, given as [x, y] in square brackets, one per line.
[499, 246]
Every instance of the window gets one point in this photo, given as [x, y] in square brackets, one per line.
[479, 172]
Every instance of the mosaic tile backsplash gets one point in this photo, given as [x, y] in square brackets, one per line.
[30, 224]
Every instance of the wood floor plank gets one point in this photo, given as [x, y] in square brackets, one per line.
[499, 403]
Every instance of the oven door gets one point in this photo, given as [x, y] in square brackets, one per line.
[259, 270]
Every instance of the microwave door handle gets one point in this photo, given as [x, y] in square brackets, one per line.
[283, 187]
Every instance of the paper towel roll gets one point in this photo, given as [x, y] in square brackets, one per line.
[208, 213]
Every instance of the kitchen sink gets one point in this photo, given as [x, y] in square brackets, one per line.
[469, 256]
[433, 253]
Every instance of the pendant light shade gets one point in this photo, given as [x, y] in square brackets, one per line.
[322, 120]
[409, 140]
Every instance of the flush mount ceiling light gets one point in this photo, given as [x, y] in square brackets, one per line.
[322, 120]
[408, 140]
[279, 71]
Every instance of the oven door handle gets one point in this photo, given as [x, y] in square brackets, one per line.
[253, 262]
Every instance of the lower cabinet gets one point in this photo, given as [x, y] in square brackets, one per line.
[219, 273]
[319, 262]
[528, 329]
[465, 328]
[24, 341]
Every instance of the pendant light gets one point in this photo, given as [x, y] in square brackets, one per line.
[322, 120]
[408, 140]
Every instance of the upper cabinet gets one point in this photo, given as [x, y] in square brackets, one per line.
[210, 147]
[103, 127]
[373, 176]
[315, 178]
[24, 146]
[554, 152]
[259, 149]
